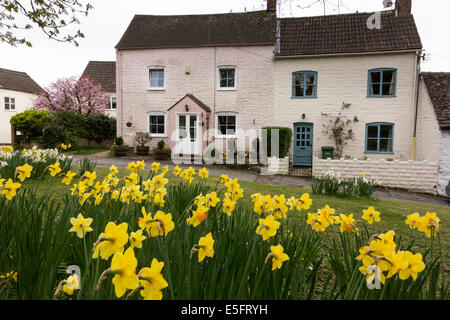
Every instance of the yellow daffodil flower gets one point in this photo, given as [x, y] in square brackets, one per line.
[370, 215]
[267, 227]
[429, 224]
[152, 281]
[71, 284]
[206, 247]
[123, 266]
[24, 171]
[68, 177]
[111, 241]
[54, 169]
[136, 239]
[203, 173]
[113, 170]
[81, 225]
[10, 189]
[278, 256]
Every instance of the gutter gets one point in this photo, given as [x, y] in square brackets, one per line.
[345, 54]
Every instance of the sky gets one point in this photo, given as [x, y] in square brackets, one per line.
[49, 60]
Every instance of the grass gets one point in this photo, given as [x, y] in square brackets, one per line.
[87, 150]
[393, 212]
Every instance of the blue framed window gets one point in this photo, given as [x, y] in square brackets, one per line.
[304, 84]
[382, 83]
[379, 137]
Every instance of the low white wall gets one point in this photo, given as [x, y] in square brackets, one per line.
[419, 176]
[277, 166]
[444, 167]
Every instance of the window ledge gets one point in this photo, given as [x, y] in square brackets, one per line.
[226, 89]
[156, 89]
[377, 152]
[158, 135]
[395, 96]
[292, 97]
[225, 137]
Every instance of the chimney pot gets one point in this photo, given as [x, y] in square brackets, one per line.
[271, 5]
[403, 7]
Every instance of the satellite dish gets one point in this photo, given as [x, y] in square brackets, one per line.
[387, 3]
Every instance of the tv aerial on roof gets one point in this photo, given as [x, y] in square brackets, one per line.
[387, 3]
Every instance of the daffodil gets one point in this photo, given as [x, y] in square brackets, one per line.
[111, 241]
[68, 177]
[278, 256]
[155, 166]
[203, 173]
[304, 203]
[348, 224]
[24, 171]
[140, 165]
[54, 169]
[71, 284]
[113, 170]
[145, 221]
[90, 177]
[10, 189]
[152, 281]
[177, 171]
[267, 227]
[414, 266]
[228, 206]
[81, 225]
[224, 178]
[370, 215]
[206, 247]
[136, 239]
[429, 224]
[161, 224]
[123, 266]
[318, 222]
[198, 216]
[131, 180]
[413, 220]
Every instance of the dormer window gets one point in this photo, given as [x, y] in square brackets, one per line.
[227, 78]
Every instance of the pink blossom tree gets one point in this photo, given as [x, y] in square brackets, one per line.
[83, 96]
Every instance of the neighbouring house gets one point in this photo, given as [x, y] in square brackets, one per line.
[196, 81]
[104, 73]
[434, 124]
[18, 91]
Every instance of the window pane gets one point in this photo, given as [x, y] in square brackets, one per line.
[388, 76]
[157, 124]
[386, 131]
[310, 78]
[157, 78]
[227, 78]
[113, 102]
[385, 145]
[388, 89]
[372, 132]
[299, 79]
[230, 83]
[375, 89]
[372, 145]
[6, 100]
[375, 77]
[310, 90]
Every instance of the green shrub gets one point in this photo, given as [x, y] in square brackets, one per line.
[53, 136]
[285, 137]
[31, 123]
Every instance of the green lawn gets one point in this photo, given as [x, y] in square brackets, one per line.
[87, 150]
[393, 212]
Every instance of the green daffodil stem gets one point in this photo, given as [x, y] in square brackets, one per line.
[169, 271]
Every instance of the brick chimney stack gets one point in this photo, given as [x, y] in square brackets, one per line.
[403, 7]
[271, 5]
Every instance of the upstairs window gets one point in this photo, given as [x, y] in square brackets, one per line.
[10, 103]
[227, 78]
[112, 103]
[379, 137]
[156, 78]
[382, 82]
[304, 84]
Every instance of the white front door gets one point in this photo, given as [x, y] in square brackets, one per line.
[188, 133]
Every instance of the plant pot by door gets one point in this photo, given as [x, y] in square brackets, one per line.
[120, 151]
[162, 154]
[142, 150]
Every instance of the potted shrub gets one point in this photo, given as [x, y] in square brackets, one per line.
[161, 152]
[142, 138]
[119, 148]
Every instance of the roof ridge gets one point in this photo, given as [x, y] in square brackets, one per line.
[340, 15]
[13, 71]
[199, 15]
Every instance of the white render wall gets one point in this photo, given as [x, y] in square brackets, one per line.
[419, 176]
[23, 101]
[252, 100]
[444, 165]
[428, 133]
[344, 79]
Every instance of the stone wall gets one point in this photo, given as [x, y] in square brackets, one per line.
[418, 176]
[277, 166]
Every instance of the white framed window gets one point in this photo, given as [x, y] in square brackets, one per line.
[157, 124]
[10, 103]
[226, 124]
[156, 78]
[227, 78]
[112, 103]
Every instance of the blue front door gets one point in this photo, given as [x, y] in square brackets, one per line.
[303, 144]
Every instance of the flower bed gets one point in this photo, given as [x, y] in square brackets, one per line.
[157, 234]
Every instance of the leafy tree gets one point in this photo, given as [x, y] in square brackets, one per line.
[83, 96]
[51, 16]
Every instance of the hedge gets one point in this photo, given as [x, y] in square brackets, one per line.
[285, 137]
[31, 123]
